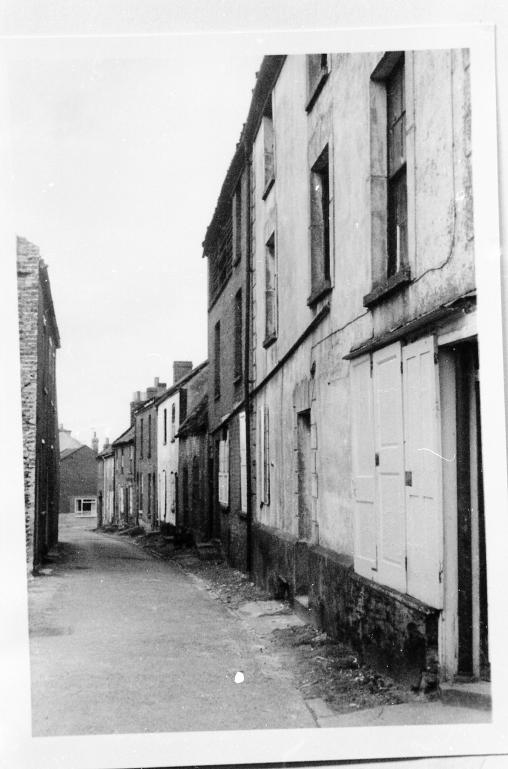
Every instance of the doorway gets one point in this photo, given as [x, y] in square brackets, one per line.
[465, 622]
[303, 458]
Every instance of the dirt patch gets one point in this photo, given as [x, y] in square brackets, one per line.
[330, 670]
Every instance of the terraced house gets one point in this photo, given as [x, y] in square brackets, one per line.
[357, 282]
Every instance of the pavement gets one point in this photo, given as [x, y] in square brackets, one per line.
[121, 642]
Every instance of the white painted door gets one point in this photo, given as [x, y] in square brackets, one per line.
[389, 461]
[363, 467]
[424, 520]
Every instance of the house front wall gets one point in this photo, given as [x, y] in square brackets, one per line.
[146, 465]
[308, 401]
[108, 503]
[167, 458]
[124, 483]
[225, 399]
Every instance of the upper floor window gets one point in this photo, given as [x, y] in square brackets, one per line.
[131, 459]
[173, 422]
[389, 178]
[141, 437]
[238, 329]
[320, 227]
[165, 426]
[149, 452]
[122, 463]
[221, 261]
[216, 362]
[237, 223]
[317, 74]
[182, 411]
[268, 147]
[396, 171]
[270, 292]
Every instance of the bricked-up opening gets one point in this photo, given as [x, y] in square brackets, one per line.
[317, 74]
[270, 293]
[396, 171]
[238, 330]
[320, 227]
[221, 262]
[216, 362]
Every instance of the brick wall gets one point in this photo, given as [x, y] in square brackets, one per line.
[39, 340]
[78, 477]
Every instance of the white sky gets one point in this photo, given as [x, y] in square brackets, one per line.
[117, 165]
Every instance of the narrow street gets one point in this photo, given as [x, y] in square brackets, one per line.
[121, 642]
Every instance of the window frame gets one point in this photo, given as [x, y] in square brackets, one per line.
[385, 280]
[315, 85]
[271, 287]
[238, 337]
[320, 222]
[268, 147]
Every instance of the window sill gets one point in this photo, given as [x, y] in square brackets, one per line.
[388, 287]
[270, 339]
[317, 90]
[319, 292]
[268, 187]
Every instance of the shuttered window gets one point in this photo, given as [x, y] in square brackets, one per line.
[223, 479]
[243, 461]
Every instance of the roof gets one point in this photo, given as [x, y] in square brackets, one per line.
[196, 421]
[181, 382]
[126, 437]
[266, 79]
[67, 452]
[74, 450]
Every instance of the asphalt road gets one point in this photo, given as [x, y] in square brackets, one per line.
[123, 643]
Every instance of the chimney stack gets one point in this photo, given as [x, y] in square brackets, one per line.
[95, 443]
[135, 402]
[180, 369]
